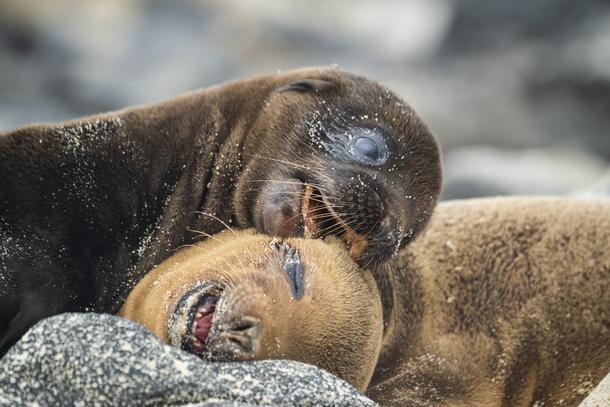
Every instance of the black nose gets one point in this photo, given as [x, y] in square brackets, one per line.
[281, 208]
[292, 267]
[236, 339]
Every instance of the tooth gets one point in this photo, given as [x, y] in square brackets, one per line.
[197, 344]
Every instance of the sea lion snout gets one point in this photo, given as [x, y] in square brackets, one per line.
[281, 208]
[235, 339]
[212, 321]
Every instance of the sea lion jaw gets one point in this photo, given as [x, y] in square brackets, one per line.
[189, 325]
[208, 322]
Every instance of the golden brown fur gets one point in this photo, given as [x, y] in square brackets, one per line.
[336, 325]
[500, 302]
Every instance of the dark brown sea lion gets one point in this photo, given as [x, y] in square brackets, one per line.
[87, 207]
[500, 302]
[244, 296]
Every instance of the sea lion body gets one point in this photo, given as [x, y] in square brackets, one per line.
[500, 302]
[89, 206]
[298, 299]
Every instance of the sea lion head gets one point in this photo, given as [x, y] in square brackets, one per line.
[253, 297]
[333, 153]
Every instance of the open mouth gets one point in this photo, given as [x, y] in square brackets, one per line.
[320, 219]
[190, 325]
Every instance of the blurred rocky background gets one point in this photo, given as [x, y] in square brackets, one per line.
[517, 91]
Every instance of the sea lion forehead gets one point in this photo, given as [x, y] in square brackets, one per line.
[341, 98]
[331, 81]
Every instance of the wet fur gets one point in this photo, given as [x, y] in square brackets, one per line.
[89, 206]
[499, 302]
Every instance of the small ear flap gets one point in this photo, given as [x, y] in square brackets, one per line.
[305, 85]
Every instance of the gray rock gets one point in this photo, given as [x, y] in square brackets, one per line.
[103, 360]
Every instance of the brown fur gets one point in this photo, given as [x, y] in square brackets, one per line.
[336, 325]
[89, 206]
[500, 302]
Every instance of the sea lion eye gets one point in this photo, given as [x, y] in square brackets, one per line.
[291, 266]
[369, 148]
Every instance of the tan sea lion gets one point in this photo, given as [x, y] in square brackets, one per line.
[500, 302]
[89, 206]
[243, 296]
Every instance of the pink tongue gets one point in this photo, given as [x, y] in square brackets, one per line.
[204, 324]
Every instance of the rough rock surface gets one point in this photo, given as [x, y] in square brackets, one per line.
[99, 360]
[600, 396]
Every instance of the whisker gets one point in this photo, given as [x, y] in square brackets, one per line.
[344, 217]
[299, 194]
[216, 218]
[313, 184]
[294, 165]
[337, 227]
[183, 246]
[205, 234]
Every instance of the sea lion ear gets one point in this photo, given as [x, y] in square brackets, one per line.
[305, 85]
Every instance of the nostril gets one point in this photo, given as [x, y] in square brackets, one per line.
[236, 339]
[288, 209]
[243, 332]
[242, 326]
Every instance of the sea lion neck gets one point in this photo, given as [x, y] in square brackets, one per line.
[190, 185]
[402, 292]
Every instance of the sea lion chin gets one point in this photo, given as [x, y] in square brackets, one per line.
[245, 296]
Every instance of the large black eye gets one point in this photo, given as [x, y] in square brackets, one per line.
[369, 148]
